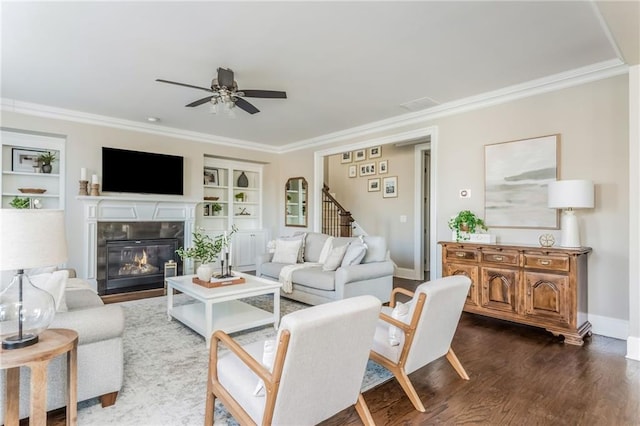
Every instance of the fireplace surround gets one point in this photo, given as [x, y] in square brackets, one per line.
[111, 218]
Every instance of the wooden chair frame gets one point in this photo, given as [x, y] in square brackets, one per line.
[271, 382]
[397, 368]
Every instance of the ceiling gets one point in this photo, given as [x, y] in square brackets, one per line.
[342, 64]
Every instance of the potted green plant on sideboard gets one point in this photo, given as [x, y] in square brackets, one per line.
[464, 223]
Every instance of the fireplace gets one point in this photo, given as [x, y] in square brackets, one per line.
[137, 264]
[131, 255]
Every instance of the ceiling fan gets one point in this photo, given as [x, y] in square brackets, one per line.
[225, 92]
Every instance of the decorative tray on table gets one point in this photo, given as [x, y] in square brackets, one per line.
[218, 282]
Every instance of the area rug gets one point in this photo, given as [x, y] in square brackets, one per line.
[165, 368]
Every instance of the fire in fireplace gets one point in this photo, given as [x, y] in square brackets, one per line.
[138, 264]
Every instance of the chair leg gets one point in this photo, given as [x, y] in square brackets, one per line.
[209, 408]
[108, 399]
[408, 388]
[363, 411]
[455, 363]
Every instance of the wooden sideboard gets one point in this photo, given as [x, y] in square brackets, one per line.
[539, 286]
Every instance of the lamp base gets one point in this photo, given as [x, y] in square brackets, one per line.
[17, 342]
[570, 237]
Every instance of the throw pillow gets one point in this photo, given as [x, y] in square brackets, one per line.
[334, 260]
[268, 355]
[355, 253]
[287, 251]
[54, 283]
[296, 237]
[401, 313]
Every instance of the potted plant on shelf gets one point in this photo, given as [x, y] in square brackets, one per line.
[216, 208]
[205, 250]
[465, 223]
[46, 158]
[240, 196]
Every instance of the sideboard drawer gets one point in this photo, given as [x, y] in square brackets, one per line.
[503, 257]
[454, 254]
[543, 261]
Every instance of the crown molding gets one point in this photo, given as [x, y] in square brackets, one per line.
[39, 110]
[559, 81]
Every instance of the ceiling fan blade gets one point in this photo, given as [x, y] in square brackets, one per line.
[225, 77]
[274, 94]
[242, 104]
[182, 84]
[200, 101]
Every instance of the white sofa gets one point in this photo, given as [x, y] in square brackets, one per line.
[312, 285]
[100, 354]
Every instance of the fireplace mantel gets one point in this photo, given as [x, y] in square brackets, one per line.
[130, 209]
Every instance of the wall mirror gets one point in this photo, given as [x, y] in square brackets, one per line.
[295, 202]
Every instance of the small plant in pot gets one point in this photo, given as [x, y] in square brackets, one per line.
[46, 158]
[465, 223]
[216, 208]
[205, 250]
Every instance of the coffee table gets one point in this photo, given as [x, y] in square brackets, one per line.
[219, 308]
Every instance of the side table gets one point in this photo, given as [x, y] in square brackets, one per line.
[52, 343]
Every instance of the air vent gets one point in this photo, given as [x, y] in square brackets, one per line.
[418, 104]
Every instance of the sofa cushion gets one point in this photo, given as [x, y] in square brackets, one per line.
[376, 249]
[314, 277]
[287, 250]
[55, 284]
[334, 260]
[355, 253]
[314, 242]
[271, 269]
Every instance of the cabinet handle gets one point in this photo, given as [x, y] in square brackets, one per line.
[460, 254]
[544, 262]
[498, 258]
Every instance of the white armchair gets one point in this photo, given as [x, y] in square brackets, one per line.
[426, 333]
[320, 360]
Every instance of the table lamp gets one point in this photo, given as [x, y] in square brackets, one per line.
[569, 195]
[28, 239]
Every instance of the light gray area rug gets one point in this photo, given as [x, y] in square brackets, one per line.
[165, 369]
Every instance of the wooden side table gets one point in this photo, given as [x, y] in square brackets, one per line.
[51, 343]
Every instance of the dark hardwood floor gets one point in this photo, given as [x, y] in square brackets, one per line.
[519, 375]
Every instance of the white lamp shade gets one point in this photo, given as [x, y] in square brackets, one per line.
[576, 194]
[31, 238]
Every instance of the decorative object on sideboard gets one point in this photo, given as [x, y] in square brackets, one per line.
[46, 159]
[546, 240]
[464, 224]
[243, 180]
[26, 310]
[568, 195]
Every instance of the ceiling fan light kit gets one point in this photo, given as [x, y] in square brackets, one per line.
[226, 94]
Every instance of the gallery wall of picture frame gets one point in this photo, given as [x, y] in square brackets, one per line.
[387, 185]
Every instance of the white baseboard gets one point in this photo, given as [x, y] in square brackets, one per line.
[633, 348]
[409, 274]
[610, 327]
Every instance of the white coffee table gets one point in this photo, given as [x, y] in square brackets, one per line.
[219, 308]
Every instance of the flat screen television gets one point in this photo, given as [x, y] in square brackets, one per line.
[141, 172]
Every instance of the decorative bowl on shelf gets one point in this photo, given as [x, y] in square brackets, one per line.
[32, 190]
[211, 198]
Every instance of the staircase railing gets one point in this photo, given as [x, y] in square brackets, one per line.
[336, 220]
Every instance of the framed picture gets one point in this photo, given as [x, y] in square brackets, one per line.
[360, 154]
[516, 177]
[346, 157]
[211, 176]
[383, 167]
[375, 152]
[25, 160]
[390, 186]
[353, 171]
[367, 169]
[374, 184]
